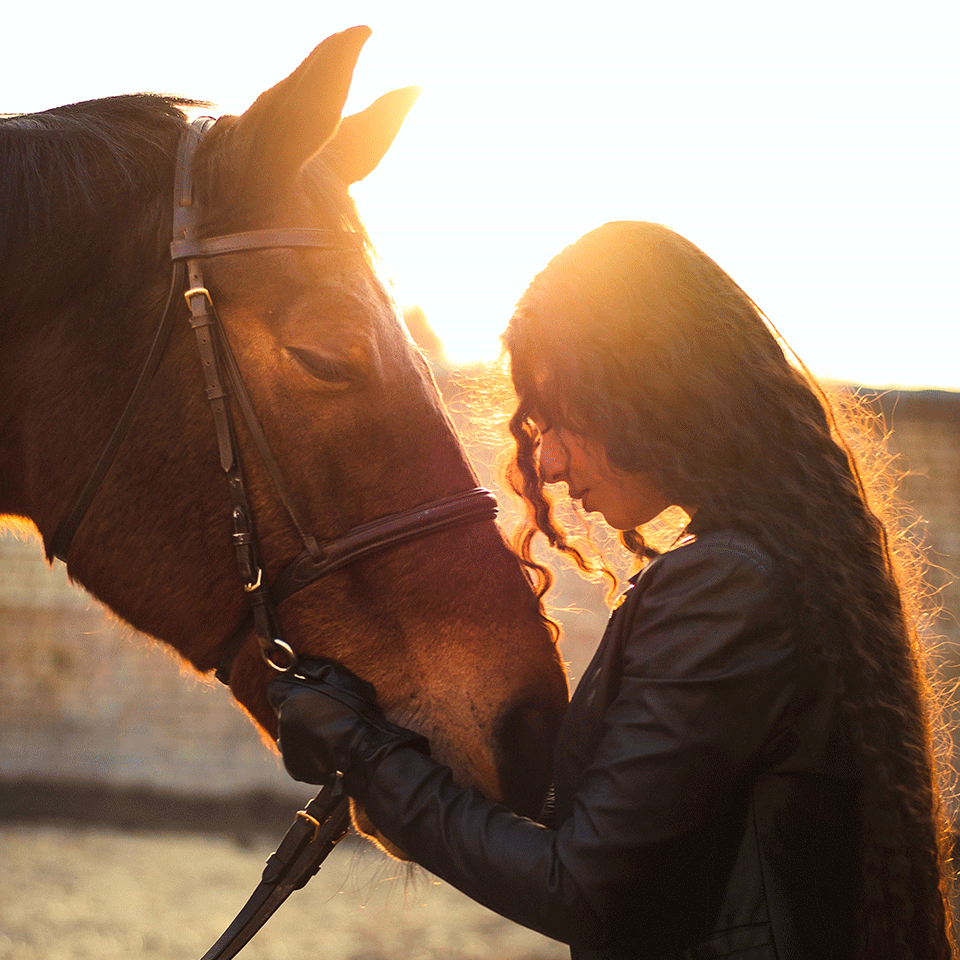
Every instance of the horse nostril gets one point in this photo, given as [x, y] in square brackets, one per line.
[525, 736]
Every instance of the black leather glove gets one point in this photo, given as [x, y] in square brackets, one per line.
[330, 722]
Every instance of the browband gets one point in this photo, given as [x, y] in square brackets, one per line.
[265, 240]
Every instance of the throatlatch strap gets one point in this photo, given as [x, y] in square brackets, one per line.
[60, 544]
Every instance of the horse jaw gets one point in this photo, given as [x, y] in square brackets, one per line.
[485, 693]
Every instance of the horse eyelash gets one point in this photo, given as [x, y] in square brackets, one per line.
[323, 368]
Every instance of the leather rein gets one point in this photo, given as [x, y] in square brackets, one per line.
[326, 818]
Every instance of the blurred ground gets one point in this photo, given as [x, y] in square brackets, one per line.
[95, 893]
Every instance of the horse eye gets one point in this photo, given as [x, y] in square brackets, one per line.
[333, 372]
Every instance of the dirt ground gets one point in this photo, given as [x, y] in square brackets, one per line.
[98, 893]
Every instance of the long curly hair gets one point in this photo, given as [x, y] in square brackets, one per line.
[633, 335]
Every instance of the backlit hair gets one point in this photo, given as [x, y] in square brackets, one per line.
[634, 336]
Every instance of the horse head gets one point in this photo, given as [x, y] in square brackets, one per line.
[445, 626]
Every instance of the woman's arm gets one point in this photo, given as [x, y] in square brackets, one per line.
[708, 668]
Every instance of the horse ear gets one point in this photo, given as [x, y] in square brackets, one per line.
[290, 122]
[362, 139]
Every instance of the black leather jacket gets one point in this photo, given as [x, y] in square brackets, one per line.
[705, 799]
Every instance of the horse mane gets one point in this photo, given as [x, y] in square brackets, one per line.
[84, 188]
[90, 185]
[55, 164]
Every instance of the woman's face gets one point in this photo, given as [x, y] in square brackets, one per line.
[626, 500]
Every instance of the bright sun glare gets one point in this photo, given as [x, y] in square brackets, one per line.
[778, 179]
[810, 186]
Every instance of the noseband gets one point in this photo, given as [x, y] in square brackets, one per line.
[187, 250]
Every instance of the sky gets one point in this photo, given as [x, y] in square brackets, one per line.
[809, 148]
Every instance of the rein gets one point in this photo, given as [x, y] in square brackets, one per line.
[326, 819]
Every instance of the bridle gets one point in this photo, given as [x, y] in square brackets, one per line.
[325, 820]
[187, 251]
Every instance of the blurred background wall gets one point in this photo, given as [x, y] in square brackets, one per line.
[84, 700]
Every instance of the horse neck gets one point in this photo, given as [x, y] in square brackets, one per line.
[81, 275]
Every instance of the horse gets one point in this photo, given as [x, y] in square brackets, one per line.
[338, 431]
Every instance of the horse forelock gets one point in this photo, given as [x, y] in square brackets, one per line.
[331, 201]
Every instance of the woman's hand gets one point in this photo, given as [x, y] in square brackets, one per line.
[330, 722]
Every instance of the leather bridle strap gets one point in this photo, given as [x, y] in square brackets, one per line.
[187, 249]
[324, 822]
[216, 359]
[315, 832]
[471, 506]
[205, 314]
[288, 237]
[62, 538]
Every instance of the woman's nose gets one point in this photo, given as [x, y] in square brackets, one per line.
[553, 458]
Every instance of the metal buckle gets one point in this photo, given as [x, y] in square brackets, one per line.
[196, 292]
[303, 815]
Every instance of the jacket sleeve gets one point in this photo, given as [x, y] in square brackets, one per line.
[708, 666]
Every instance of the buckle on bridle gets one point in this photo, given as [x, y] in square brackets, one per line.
[313, 821]
[188, 295]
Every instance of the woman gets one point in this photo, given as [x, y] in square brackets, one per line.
[745, 769]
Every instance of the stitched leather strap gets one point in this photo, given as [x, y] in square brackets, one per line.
[315, 832]
[59, 545]
[264, 240]
[325, 820]
[471, 506]
[242, 396]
